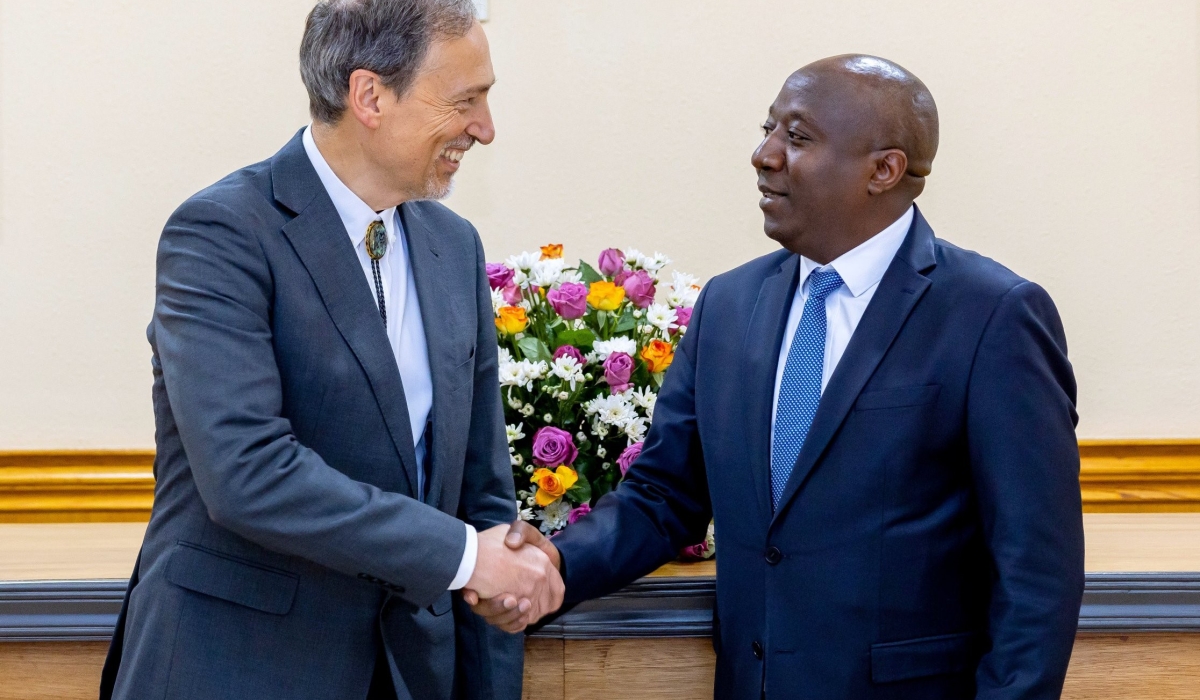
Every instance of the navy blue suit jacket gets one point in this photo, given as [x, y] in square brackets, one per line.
[929, 543]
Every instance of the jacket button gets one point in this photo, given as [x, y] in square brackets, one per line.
[757, 649]
[773, 555]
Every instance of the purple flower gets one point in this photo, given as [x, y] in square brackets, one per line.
[617, 370]
[578, 513]
[569, 300]
[511, 294]
[612, 261]
[621, 276]
[629, 456]
[499, 275]
[639, 287]
[683, 316]
[553, 447]
[695, 552]
[570, 351]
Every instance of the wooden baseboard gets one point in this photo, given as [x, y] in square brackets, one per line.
[1121, 476]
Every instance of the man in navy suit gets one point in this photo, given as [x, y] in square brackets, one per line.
[881, 423]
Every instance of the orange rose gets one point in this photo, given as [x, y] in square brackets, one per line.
[553, 484]
[552, 251]
[511, 320]
[658, 355]
[605, 296]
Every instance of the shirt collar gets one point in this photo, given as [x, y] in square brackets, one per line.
[863, 267]
[356, 215]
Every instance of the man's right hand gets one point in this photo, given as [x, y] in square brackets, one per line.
[520, 583]
[508, 609]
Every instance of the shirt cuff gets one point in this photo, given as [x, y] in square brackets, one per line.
[467, 566]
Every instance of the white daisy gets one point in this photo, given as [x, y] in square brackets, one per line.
[603, 348]
[568, 369]
[656, 262]
[497, 300]
[661, 316]
[514, 432]
[635, 429]
[554, 516]
[523, 262]
[614, 409]
[546, 273]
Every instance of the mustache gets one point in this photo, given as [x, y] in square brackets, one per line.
[461, 144]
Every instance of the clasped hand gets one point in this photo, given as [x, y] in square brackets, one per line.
[516, 580]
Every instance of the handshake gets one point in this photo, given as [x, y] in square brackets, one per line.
[516, 580]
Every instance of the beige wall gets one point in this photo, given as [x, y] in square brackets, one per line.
[1070, 152]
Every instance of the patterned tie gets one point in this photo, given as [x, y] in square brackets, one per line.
[800, 390]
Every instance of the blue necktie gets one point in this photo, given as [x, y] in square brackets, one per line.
[800, 390]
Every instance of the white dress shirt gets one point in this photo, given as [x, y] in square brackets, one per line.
[405, 329]
[860, 270]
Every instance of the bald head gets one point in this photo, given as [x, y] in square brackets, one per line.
[846, 148]
[879, 104]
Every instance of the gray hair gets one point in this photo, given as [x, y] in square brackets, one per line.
[388, 37]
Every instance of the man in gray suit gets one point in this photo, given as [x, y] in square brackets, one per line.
[331, 453]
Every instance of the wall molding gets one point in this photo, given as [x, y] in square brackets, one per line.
[86, 610]
[118, 485]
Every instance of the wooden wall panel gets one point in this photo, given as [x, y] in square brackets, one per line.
[1134, 666]
[639, 669]
[51, 670]
[543, 670]
[1125, 476]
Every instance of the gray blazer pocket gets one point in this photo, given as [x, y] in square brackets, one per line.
[462, 371]
[897, 398]
[235, 580]
[926, 656]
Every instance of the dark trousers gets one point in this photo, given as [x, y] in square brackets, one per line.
[381, 680]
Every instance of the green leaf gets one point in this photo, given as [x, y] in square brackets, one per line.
[658, 378]
[588, 273]
[581, 492]
[582, 339]
[626, 323]
[534, 349]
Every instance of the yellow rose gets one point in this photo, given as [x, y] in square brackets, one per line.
[658, 355]
[553, 484]
[511, 320]
[553, 251]
[605, 296]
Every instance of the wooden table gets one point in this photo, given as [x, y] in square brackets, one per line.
[567, 663]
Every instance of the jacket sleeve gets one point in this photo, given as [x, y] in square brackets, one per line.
[213, 336]
[491, 662]
[663, 503]
[1025, 465]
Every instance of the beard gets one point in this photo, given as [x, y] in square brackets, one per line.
[435, 188]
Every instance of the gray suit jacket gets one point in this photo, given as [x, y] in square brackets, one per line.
[285, 545]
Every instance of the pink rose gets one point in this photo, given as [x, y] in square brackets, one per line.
[570, 351]
[621, 276]
[617, 370]
[629, 456]
[683, 316]
[511, 294]
[639, 287]
[578, 513]
[499, 275]
[553, 447]
[695, 552]
[569, 300]
[612, 261]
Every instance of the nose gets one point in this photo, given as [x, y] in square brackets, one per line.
[481, 127]
[768, 155]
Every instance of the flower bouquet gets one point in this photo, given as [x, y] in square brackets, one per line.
[582, 354]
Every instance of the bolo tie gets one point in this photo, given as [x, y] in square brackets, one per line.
[376, 247]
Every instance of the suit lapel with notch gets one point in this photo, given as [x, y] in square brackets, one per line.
[441, 319]
[901, 288]
[318, 236]
[764, 336]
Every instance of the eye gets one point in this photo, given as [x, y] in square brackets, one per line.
[767, 128]
[796, 136]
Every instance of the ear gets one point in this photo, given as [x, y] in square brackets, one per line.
[366, 89]
[890, 166]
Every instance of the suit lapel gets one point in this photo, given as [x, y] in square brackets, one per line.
[764, 335]
[441, 319]
[901, 288]
[319, 239]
